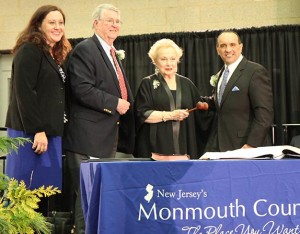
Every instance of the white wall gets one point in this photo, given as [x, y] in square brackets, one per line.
[5, 73]
[152, 16]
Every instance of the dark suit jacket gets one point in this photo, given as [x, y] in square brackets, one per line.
[94, 122]
[295, 141]
[37, 93]
[245, 114]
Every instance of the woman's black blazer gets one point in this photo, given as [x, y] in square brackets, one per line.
[36, 94]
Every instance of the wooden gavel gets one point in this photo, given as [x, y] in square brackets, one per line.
[200, 106]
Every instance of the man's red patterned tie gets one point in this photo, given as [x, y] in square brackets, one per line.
[120, 75]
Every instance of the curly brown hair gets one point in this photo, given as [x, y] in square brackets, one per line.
[33, 34]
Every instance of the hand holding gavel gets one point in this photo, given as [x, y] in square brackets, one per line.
[182, 114]
[200, 106]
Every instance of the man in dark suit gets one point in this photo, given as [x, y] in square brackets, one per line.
[101, 118]
[244, 112]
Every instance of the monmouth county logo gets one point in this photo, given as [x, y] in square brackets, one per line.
[149, 195]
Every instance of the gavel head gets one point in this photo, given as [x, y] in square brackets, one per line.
[202, 106]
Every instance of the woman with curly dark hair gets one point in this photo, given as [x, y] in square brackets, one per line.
[37, 99]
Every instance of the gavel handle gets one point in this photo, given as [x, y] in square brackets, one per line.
[190, 110]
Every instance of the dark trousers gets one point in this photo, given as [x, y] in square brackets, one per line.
[72, 166]
[73, 161]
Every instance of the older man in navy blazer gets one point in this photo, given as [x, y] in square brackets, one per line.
[101, 119]
[244, 112]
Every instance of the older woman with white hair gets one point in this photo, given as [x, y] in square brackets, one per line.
[166, 129]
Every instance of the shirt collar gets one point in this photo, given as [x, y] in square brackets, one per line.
[105, 46]
[234, 65]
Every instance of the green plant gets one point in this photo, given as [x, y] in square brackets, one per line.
[8, 144]
[17, 203]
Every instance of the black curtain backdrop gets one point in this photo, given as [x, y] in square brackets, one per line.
[276, 47]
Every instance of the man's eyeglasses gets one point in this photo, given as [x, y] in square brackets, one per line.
[111, 21]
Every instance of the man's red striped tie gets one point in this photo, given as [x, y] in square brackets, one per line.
[120, 75]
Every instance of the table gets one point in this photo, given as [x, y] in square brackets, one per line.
[192, 197]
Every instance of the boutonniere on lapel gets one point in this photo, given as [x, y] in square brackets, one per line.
[214, 80]
[120, 54]
[156, 83]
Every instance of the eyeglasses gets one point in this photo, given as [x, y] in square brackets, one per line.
[111, 21]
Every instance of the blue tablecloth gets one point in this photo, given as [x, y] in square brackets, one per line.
[193, 197]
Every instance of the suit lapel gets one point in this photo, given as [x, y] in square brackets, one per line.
[234, 77]
[52, 63]
[112, 70]
[217, 85]
[107, 62]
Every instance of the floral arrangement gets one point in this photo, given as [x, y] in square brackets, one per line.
[214, 80]
[17, 207]
[156, 83]
[17, 202]
[120, 54]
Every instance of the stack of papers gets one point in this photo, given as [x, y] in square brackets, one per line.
[267, 152]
